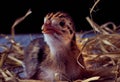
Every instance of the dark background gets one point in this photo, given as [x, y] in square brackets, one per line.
[10, 10]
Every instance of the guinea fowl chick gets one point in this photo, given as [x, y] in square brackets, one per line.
[55, 57]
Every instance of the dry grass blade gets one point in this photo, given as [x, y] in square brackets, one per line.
[103, 49]
[84, 43]
[7, 76]
[37, 81]
[4, 47]
[92, 9]
[19, 62]
[106, 27]
[18, 21]
[3, 58]
[91, 79]
[95, 78]
[95, 26]
[103, 29]
[108, 43]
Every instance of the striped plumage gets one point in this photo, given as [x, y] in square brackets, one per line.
[55, 57]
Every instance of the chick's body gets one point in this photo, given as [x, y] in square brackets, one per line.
[55, 57]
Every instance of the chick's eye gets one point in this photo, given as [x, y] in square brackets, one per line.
[62, 23]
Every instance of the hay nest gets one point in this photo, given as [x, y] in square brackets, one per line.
[102, 51]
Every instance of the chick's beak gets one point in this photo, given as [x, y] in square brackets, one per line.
[48, 29]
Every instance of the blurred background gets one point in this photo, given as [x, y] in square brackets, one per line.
[10, 10]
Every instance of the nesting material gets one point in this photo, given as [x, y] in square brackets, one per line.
[102, 51]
